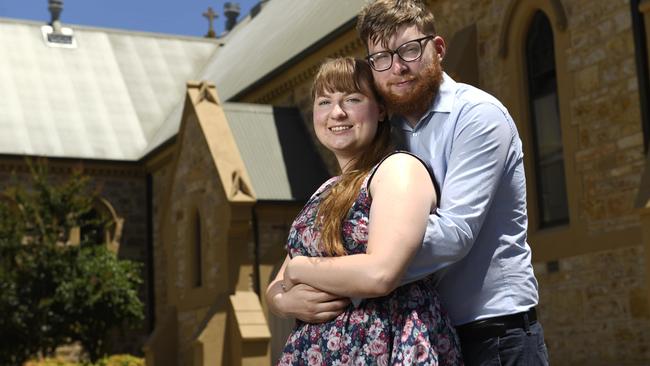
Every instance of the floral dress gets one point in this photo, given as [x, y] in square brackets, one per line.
[406, 327]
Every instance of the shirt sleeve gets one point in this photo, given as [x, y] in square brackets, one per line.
[482, 139]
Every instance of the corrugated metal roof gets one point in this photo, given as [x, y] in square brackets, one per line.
[277, 150]
[104, 99]
[282, 30]
[120, 94]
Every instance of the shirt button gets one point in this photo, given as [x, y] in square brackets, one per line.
[415, 133]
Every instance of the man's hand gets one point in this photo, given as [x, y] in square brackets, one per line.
[309, 304]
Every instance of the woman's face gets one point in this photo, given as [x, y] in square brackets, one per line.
[346, 123]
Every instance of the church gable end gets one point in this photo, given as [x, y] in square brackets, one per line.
[206, 224]
[206, 182]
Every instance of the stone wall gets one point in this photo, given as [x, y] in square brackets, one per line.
[195, 186]
[604, 102]
[124, 188]
[160, 183]
[594, 308]
[606, 112]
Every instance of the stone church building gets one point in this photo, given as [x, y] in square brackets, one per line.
[204, 152]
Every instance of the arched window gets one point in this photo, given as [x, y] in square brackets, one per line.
[95, 226]
[196, 258]
[100, 225]
[545, 122]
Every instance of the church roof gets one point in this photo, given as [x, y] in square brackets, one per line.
[104, 99]
[280, 32]
[119, 94]
[278, 153]
[264, 43]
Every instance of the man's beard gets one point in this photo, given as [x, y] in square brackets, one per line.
[417, 100]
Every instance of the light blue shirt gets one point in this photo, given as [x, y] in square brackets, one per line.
[476, 239]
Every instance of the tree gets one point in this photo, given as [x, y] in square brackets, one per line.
[53, 291]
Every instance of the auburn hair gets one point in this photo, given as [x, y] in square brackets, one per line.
[380, 19]
[347, 75]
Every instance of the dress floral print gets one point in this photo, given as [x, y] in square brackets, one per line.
[406, 327]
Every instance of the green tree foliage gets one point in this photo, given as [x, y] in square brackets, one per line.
[52, 292]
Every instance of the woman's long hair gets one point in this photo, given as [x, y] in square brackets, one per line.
[348, 75]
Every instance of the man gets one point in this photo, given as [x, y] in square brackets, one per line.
[476, 240]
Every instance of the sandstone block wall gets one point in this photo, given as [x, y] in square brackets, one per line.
[160, 182]
[594, 306]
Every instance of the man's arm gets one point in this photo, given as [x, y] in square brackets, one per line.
[482, 140]
[302, 301]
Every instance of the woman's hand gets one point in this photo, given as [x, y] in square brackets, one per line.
[302, 301]
[290, 278]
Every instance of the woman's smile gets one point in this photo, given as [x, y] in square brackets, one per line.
[340, 128]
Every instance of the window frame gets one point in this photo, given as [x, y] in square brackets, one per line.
[534, 92]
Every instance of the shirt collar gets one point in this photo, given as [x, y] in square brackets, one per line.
[442, 103]
[445, 98]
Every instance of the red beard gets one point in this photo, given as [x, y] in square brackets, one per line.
[417, 100]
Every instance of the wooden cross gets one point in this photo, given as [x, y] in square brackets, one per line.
[211, 16]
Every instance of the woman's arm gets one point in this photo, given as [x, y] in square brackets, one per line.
[402, 198]
[302, 301]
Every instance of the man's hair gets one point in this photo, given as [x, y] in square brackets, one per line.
[380, 19]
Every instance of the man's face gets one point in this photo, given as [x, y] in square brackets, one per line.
[409, 87]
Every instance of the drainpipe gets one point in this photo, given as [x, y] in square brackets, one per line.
[256, 251]
[641, 58]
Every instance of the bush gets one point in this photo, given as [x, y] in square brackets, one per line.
[121, 360]
[115, 360]
[53, 293]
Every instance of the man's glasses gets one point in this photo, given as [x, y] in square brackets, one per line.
[408, 52]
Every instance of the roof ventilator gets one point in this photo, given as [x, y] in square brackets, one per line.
[54, 34]
[231, 11]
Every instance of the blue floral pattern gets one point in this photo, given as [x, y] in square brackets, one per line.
[406, 327]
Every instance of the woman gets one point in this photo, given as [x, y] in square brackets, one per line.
[336, 247]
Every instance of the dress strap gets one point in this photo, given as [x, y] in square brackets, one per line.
[426, 165]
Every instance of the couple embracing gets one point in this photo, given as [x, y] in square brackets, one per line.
[416, 253]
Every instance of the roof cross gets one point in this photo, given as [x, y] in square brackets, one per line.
[211, 15]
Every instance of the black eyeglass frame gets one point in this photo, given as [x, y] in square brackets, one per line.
[396, 52]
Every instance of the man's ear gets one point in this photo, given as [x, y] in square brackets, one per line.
[440, 46]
